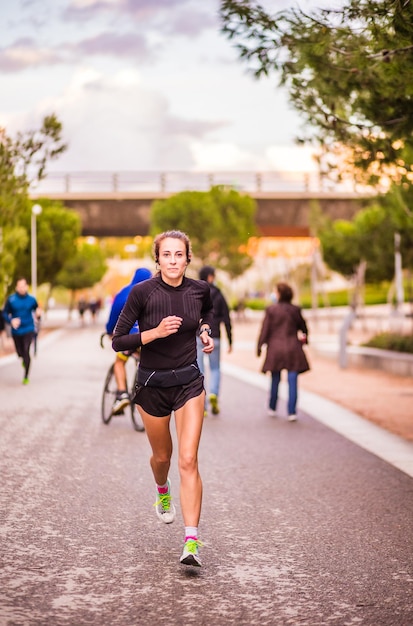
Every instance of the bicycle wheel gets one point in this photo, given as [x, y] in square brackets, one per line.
[136, 418]
[108, 396]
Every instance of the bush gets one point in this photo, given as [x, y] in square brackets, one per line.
[373, 294]
[392, 341]
[257, 304]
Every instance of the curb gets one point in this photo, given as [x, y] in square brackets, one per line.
[387, 446]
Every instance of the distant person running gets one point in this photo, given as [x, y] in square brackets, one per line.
[122, 396]
[19, 312]
[171, 311]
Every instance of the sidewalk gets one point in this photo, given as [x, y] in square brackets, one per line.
[382, 398]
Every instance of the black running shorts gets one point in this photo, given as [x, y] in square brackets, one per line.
[160, 402]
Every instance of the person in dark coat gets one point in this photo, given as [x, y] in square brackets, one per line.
[282, 324]
[221, 316]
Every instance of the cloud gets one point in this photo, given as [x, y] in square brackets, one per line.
[224, 156]
[115, 123]
[118, 45]
[190, 23]
[173, 17]
[140, 30]
[85, 10]
[192, 128]
[25, 53]
[292, 158]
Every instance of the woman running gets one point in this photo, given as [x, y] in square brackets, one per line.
[171, 310]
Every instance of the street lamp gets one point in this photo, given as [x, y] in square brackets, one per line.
[36, 210]
[398, 272]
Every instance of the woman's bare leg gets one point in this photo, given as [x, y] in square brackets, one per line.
[160, 440]
[189, 420]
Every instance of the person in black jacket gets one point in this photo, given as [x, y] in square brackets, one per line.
[221, 316]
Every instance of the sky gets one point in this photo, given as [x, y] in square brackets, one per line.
[143, 85]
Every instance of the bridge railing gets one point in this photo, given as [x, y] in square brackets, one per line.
[176, 181]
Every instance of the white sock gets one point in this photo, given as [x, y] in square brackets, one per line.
[191, 531]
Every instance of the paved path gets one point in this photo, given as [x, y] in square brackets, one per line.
[301, 525]
[370, 407]
[381, 398]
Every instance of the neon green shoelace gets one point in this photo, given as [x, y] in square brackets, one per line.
[192, 545]
[164, 500]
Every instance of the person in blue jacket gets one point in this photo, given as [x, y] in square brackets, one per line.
[20, 311]
[122, 396]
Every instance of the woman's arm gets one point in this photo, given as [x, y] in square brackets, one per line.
[122, 340]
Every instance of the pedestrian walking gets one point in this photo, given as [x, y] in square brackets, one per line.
[19, 311]
[171, 310]
[82, 307]
[284, 331]
[94, 308]
[221, 316]
[122, 396]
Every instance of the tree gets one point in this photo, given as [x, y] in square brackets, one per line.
[340, 247]
[13, 203]
[237, 226]
[219, 223]
[369, 238]
[22, 162]
[13, 239]
[83, 270]
[58, 229]
[349, 72]
[192, 212]
[31, 150]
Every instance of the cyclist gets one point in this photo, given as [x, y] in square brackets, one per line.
[122, 396]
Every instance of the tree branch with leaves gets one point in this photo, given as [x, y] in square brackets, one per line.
[348, 71]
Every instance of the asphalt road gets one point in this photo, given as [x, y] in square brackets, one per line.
[300, 525]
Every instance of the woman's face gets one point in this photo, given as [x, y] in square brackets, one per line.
[172, 260]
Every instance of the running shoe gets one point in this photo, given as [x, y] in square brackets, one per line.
[292, 417]
[165, 508]
[213, 399]
[25, 381]
[272, 413]
[122, 400]
[190, 553]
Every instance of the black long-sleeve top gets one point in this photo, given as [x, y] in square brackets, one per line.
[148, 303]
[221, 314]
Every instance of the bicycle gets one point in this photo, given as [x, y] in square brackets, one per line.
[110, 389]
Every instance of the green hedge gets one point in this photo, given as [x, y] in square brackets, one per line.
[392, 341]
[373, 294]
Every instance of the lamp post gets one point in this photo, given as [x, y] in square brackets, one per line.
[398, 271]
[36, 210]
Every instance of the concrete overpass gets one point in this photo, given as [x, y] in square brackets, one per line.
[113, 205]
